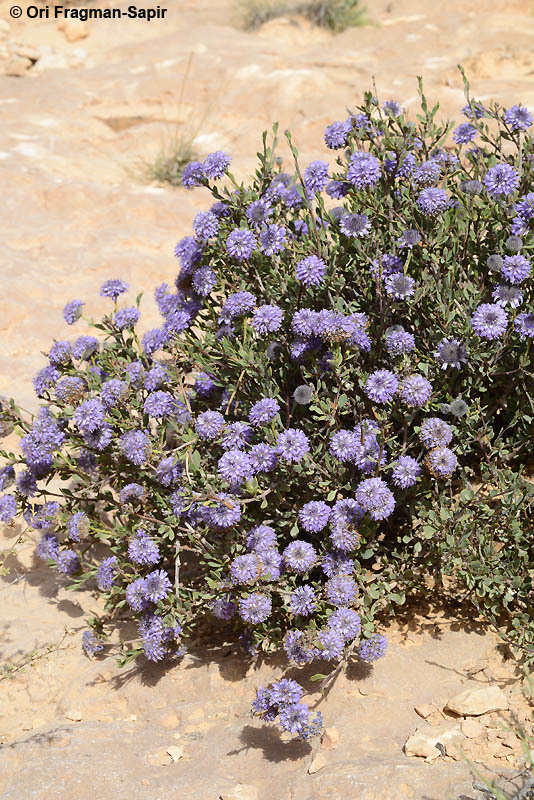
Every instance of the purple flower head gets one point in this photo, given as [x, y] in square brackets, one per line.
[408, 239]
[241, 243]
[188, 251]
[135, 446]
[297, 649]
[154, 340]
[267, 319]
[100, 438]
[385, 264]
[474, 110]
[302, 601]
[126, 318]
[169, 471]
[234, 467]
[90, 644]
[399, 286]
[26, 483]
[373, 648]
[433, 201]
[193, 175]
[224, 514]
[8, 508]
[335, 189]
[7, 477]
[314, 516]
[363, 171]
[524, 325]
[435, 432]
[299, 556]
[263, 412]
[157, 585]
[48, 547]
[344, 445]
[405, 472]
[224, 607]
[340, 590]
[160, 404]
[68, 562]
[114, 392]
[84, 347]
[262, 537]
[441, 462]
[292, 445]
[216, 164]
[464, 133]
[374, 496]
[355, 225]
[515, 268]
[451, 353]
[269, 563]
[236, 436]
[136, 595]
[415, 391]
[132, 492]
[78, 526]
[336, 135]
[89, 416]
[284, 692]
[501, 180]
[106, 573]
[206, 225]
[45, 379]
[330, 644]
[262, 458]
[209, 424]
[392, 107]
[399, 342]
[346, 622]
[259, 211]
[427, 173]
[60, 353]
[310, 271]
[134, 371]
[381, 386]
[255, 608]
[113, 288]
[237, 304]
[489, 321]
[273, 239]
[244, 569]
[204, 280]
[518, 118]
[72, 311]
[316, 176]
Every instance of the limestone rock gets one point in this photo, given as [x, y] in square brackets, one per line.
[318, 763]
[5, 29]
[17, 66]
[423, 742]
[471, 728]
[74, 715]
[175, 752]
[475, 702]
[424, 710]
[74, 29]
[330, 739]
[241, 791]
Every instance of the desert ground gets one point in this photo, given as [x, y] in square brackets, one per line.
[84, 109]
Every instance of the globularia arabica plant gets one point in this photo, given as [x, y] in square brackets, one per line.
[344, 352]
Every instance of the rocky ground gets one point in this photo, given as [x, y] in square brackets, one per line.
[84, 108]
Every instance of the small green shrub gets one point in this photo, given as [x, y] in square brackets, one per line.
[333, 15]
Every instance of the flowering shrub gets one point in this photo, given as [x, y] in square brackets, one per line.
[335, 407]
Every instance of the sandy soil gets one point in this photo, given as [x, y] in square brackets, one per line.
[76, 129]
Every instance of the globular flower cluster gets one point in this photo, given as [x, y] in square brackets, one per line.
[339, 345]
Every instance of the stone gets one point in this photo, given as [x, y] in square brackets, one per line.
[318, 763]
[241, 791]
[471, 728]
[509, 739]
[422, 743]
[5, 29]
[159, 758]
[175, 752]
[74, 715]
[424, 710]
[74, 29]
[330, 739]
[475, 702]
[170, 721]
[17, 66]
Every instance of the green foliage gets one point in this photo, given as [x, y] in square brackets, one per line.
[333, 15]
